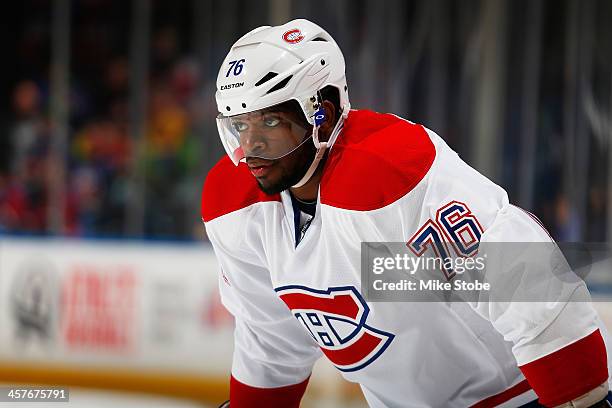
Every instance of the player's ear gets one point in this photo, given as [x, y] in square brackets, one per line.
[329, 122]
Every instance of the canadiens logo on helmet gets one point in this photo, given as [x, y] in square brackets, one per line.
[293, 36]
[336, 319]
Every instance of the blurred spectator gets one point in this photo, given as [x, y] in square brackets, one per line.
[567, 225]
[172, 152]
[84, 206]
[28, 135]
[101, 153]
[596, 231]
[165, 50]
[13, 206]
[25, 189]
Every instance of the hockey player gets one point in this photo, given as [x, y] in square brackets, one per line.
[305, 181]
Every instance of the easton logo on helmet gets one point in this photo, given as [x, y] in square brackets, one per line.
[293, 36]
[230, 86]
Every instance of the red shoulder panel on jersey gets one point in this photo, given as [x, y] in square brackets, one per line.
[229, 188]
[245, 396]
[377, 159]
[569, 372]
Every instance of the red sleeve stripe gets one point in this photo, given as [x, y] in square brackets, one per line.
[504, 396]
[569, 372]
[245, 396]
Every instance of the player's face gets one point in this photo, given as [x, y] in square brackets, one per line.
[268, 134]
[277, 146]
[274, 176]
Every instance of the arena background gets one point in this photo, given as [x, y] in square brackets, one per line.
[107, 281]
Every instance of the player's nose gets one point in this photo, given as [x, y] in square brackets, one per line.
[252, 142]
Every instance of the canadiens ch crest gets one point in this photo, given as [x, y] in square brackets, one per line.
[337, 320]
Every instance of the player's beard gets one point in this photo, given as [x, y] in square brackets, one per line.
[292, 167]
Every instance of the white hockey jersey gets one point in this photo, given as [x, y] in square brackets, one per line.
[384, 179]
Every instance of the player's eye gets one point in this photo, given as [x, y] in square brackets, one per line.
[271, 121]
[240, 126]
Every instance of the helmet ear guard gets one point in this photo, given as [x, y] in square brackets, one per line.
[320, 115]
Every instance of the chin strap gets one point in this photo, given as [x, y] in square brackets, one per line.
[322, 146]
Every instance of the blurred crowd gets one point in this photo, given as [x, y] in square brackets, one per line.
[102, 155]
[100, 151]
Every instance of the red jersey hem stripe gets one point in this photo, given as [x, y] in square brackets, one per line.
[504, 396]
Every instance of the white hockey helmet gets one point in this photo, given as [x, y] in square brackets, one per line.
[272, 65]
